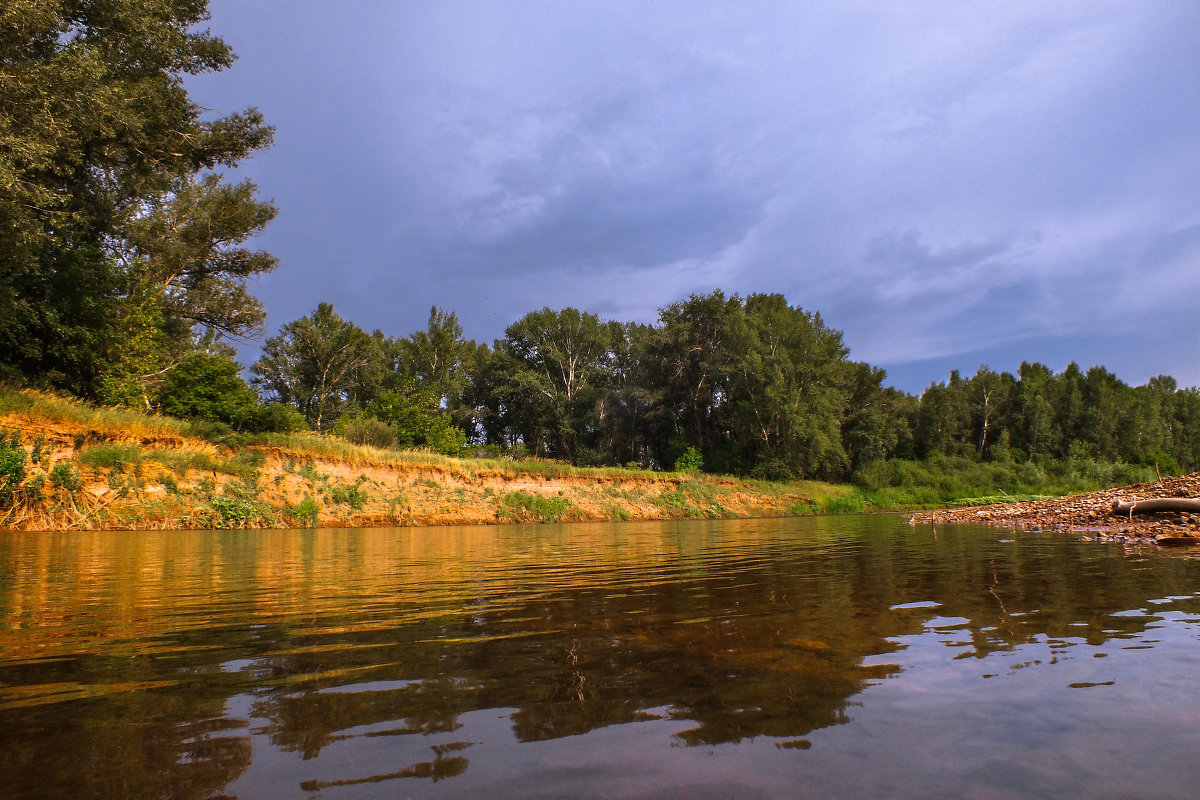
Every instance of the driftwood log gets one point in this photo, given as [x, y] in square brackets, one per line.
[1156, 505]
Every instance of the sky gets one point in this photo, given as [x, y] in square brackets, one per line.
[949, 184]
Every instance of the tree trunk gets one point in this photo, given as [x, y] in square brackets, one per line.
[1156, 505]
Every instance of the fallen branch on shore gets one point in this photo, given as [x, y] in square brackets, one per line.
[1156, 505]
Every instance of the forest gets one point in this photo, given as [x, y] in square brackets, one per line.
[124, 262]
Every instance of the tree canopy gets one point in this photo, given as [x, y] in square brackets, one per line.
[119, 240]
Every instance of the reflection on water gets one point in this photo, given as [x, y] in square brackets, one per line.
[845, 656]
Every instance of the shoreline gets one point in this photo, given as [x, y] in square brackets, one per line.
[125, 478]
[1091, 512]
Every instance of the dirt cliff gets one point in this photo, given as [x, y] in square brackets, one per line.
[87, 472]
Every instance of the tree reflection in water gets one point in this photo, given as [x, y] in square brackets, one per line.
[145, 666]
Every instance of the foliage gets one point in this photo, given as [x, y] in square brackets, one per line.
[555, 366]
[209, 387]
[275, 418]
[367, 431]
[353, 495]
[66, 477]
[441, 359]
[306, 511]
[942, 480]
[238, 506]
[116, 457]
[117, 235]
[313, 364]
[690, 461]
[12, 466]
[414, 414]
[525, 507]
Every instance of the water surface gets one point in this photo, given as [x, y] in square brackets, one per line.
[847, 657]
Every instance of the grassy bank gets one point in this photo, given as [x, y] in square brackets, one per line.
[67, 465]
[942, 481]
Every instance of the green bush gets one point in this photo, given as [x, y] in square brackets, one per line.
[12, 466]
[65, 477]
[366, 431]
[306, 511]
[352, 496]
[691, 461]
[206, 386]
[275, 418]
[238, 506]
[211, 430]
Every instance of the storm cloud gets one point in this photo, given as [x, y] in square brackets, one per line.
[949, 184]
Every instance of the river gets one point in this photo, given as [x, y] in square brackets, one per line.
[816, 657]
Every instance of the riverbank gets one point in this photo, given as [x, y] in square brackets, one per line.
[1092, 513]
[97, 469]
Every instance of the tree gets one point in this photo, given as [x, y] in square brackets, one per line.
[442, 358]
[989, 394]
[207, 387]
[99, 143]
[312, 365]
[186, 245]
[414, 413]
[787, 392]
[557, 365]
[878, 420]
[437, 354]
[690, 363]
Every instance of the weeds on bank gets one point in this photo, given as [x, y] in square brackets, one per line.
[353, 496]
[692, 499]
[526, 507]
[306, 511]
[236, 506]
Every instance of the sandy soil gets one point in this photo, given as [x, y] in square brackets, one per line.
[294, 489]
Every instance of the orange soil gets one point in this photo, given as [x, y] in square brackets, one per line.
[152, 495]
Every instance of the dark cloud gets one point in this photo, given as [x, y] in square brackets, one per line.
[946, 183]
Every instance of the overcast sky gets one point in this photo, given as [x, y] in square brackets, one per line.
[949, 183]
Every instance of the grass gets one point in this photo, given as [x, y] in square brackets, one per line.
[116, 457]
[526, 507]
[55, 408]
[944, 481]
[121, 443]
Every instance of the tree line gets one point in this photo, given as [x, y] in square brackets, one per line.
[752, 385]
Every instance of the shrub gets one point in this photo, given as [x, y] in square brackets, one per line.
[238, 506]
[12, 466]
[692, 460]
[367, 431]
[39, 449]
[352, 496]
[208, 387]
[65, 477]
[306, 511]
[275, 418]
